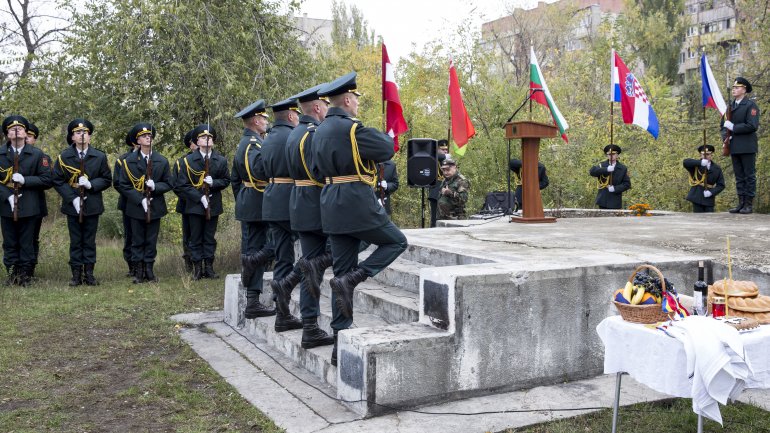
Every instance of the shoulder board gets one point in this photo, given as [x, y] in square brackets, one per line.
[253, 139]
[311, 127]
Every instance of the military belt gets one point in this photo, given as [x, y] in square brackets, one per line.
[281, 180]
[257, 183]
[349, 179]
[306, 182]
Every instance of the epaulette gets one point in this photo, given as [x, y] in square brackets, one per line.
[253, 139]
[311, 127]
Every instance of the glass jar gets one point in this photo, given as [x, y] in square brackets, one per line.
[718, 306]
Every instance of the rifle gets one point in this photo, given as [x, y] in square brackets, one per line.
[81, 188]
[379, 183]
[147, 192]
[15, 185]
[206, 189]
[726, 141]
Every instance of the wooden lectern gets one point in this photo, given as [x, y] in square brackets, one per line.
[530, 134]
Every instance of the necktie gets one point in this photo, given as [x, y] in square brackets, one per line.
[82, 154]
[146, 158]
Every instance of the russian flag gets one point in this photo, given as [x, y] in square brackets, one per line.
[635, 106]
[712, 97]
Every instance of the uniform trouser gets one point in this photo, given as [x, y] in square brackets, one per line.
[203, 245]
[82, 239]
[745, 168]
[36, 239]
[253, 239]
[144, 240]
[17, 241]
[284, 248]
[313, 245]
[126, 238]
[390, 244]
[185, 234]
[433, 211]
[697, 208]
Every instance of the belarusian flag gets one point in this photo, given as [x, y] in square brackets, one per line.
[462, 127]
[395, 124]
[537, 81]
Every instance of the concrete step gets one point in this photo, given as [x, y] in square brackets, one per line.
[436, 257]
[402, 273]
[393, 304]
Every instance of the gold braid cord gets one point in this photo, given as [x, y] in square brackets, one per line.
[8, 173]
[191, 173]
[369, 168]
[73, 171]
[696, 180]
[248, 170]
[605, 181]
[304, 163]
[137, 182]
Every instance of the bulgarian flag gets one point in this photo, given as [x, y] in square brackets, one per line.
[537, 81]
[462, 127]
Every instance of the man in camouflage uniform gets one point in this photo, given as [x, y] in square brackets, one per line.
[454, 192]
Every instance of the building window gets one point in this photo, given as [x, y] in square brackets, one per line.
[681, 57]
[734, 49]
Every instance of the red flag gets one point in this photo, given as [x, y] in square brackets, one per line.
[395, 124]
[462, 127]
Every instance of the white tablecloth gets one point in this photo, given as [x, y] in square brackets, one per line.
[658, 361]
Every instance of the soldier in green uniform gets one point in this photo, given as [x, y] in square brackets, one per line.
[706, 180]
[191, 147]
[144, 180]
[122, 203]
[32, 133]
[20, 190]
[613, 179]
[202, 191]
[345, 153]
[80, 174]
[742, 130]
[248, 191]
[454, 192]
[305, 215]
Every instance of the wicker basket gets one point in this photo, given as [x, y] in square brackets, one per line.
[643, 313]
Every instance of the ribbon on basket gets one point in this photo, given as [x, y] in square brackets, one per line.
[670, 304]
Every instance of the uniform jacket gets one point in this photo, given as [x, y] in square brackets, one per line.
[745, 118]
[134, 167]
[389, 175]
[435, 190]
[116, 178]
[305, 201]
[452, 206]
[248, 199]
[542, 177]
[715, 181]
[175, 169]
[276, 200]
[348, 207]
[65, 180]
[43, 202]
[35, 168]
[189, 182]
[618, 178]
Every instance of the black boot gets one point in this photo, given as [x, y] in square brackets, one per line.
[149, 274]
[334, 349]
[312, 335]
[208, 269]
[283, 287]
[255, 309]
[31, 270]
[139, 270]
[77, 275]
[197, 270]
[748, 205]
[131, 269]
[313, 270]
[284, 321]
[188, 263]
[24, 278]
[343, 289]
[88, 276]
[250, 263]
[741, 202]
[12, 275]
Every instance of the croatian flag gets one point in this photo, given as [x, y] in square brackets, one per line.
[712, 97]
[634, 104]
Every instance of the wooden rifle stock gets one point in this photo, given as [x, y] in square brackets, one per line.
[726, 142]
[206, 189]
[147, 192]
[15, 185]
[81, 188]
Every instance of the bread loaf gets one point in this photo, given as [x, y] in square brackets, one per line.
[760, 304]
[763, 318]
[744, 289]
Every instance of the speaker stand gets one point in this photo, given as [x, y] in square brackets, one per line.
[422, 208]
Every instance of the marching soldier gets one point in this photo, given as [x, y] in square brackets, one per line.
[706, 180]
[454, 192]
[32, 134]
[742, 129]
[305, 215]
[346, 152]
[26, 173]
[542, 178]
[276, 210]
[144, 180]
[435, 191]
[189, 143]
[613, 179]
[122, 203]
[202, 191]
[80, 174]
[387, 183]
[248, 186]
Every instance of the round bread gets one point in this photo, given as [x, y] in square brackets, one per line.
[763, 318]
[740, 323]
[744, 289]
[760, 304]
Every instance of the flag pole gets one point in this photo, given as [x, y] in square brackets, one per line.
[612, 117]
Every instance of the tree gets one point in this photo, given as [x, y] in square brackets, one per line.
[349, 25]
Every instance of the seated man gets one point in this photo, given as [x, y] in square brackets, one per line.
[454, 192]
[706, 180]
[542, 177]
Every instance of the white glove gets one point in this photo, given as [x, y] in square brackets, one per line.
[611, 168]
[204, 202]
[706, 193]
[76, 203]
[704, 162]
[379, 200]
[729, 125]
[611, 188]
[208, 180]
[84, 182]
[18, 178]
[150, 184]
[383, 184]
[10, 200]
[144, 204]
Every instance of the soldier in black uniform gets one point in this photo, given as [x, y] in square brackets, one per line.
[81, 190]
[542, 177]
[203, 209]
[435, 191]
[742, 129]
[305, 215]
[32, 133]
[188, 143]
[20, 190]
[387, 183]
[346, 152]
[706, 180]
[276, 210]
[144, 180]
[130, 142]
[613, 179]
[248, 191]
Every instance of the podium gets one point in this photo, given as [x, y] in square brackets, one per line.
[530, 134]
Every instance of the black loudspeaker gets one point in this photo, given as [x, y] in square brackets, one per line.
[421, 164]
